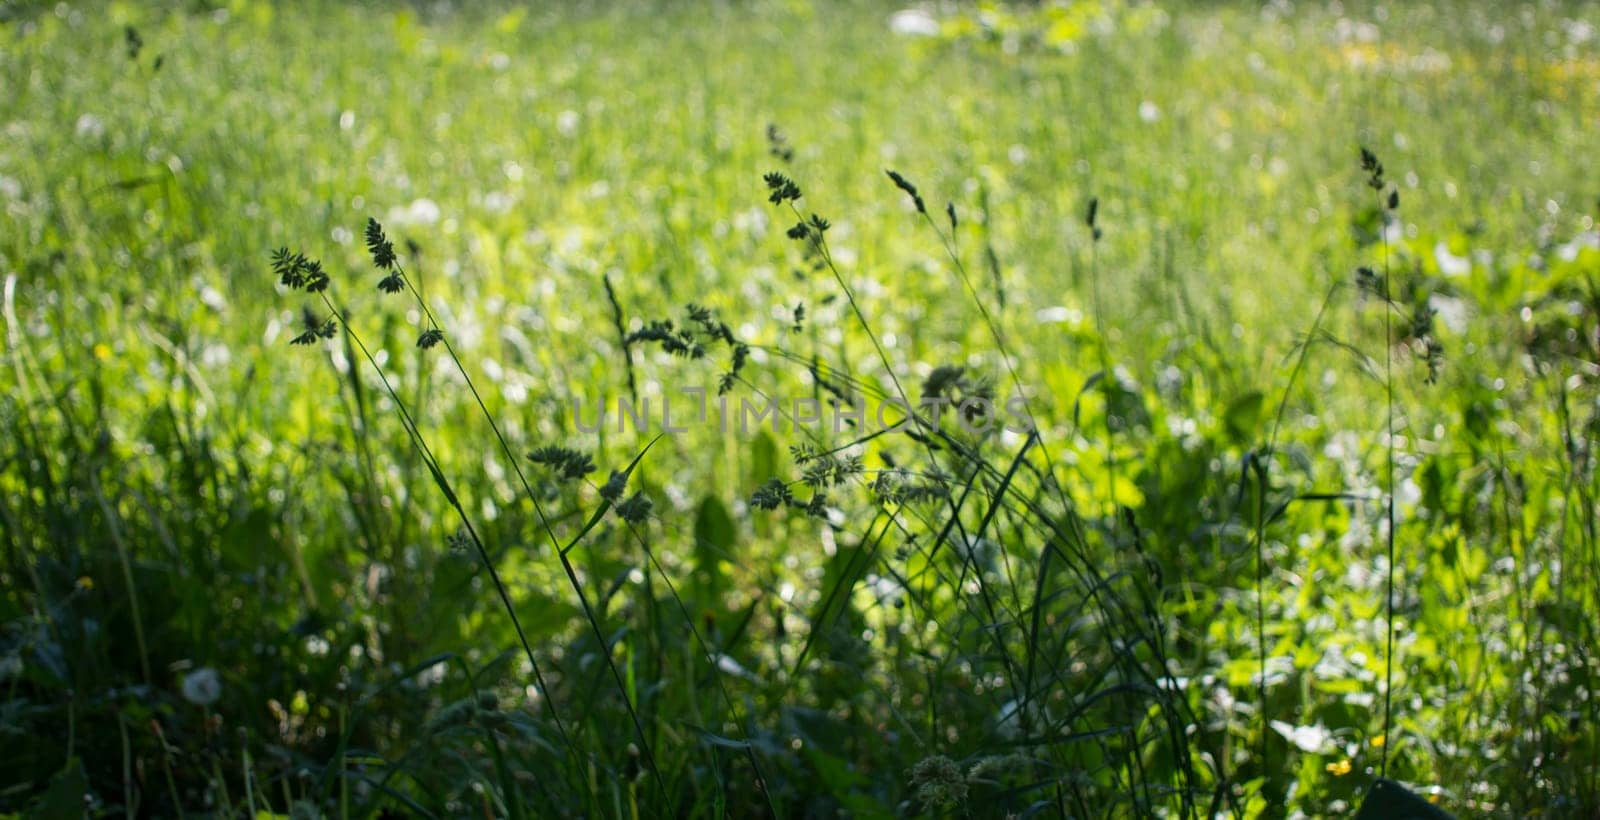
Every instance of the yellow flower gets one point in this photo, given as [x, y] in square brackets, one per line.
[102, 351]
[1377, 742]
[85, 583]
[1339, 769]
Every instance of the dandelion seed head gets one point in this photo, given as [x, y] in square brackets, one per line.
[202, 687]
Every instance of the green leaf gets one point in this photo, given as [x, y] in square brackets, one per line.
[1243, 416]
[713, 544]
[64, 798]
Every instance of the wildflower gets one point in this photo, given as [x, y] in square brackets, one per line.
[202, 687]
[90, 127]
[421, 211]
[914, 22]
[429, 338]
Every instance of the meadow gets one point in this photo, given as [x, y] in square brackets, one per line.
[1166, 408]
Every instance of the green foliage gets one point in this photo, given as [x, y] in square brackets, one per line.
[282, 534]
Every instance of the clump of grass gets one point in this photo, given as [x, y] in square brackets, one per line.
[300, 273]
[955, 469]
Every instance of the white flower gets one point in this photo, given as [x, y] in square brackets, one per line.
[1311, 739]
[422, 211]
[1449, 263]
[90, 127]
[914, 22]
[202, 687]
[1008, 721]
[729, 666]
[1452, 312]
[567, 123]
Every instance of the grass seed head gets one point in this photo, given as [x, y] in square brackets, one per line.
[781, 189]
[910, 190]
[939, 782]
[771, 495]
[778, 145]
[568, 464]
[636, 509]
[315, 326]
[379, 246]
[615, 485]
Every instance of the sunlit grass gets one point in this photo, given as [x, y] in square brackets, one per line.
[282, 530]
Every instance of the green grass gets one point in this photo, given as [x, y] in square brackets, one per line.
[181, 489]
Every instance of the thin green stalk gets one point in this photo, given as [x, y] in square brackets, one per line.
[129, 807]
[1388, 385]
[1012, 677]
[1106, 376]
[166, 769]
[1263, 466]
[444, 486]
[126, 562]
[544, 522]
[249, 778]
